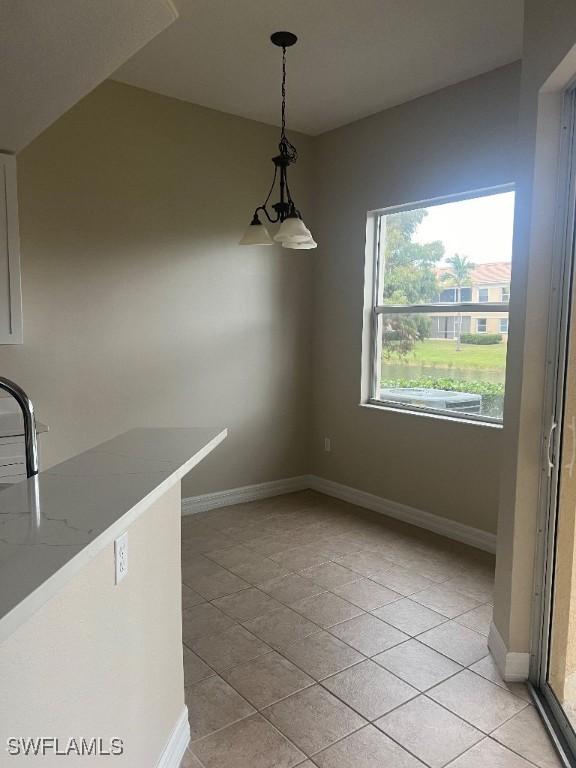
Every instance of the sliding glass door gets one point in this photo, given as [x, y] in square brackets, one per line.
[553, 673]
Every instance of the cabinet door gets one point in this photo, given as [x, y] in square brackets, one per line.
[10, 291]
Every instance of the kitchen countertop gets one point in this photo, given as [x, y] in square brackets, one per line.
[12, 425]
[53, 524]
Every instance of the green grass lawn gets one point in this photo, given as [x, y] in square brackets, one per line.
[443, 354]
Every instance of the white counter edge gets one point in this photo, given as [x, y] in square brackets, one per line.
[42, 594]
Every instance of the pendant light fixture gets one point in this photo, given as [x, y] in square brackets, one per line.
[292, 232]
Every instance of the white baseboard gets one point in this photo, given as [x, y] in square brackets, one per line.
[513, 666]
[441, 525]
[177, 743]
[207, 501]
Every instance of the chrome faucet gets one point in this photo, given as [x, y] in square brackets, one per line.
[30, 441]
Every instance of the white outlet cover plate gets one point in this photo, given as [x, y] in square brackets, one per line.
[121, 556]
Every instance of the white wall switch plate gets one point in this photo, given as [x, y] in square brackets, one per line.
[121, 556]
[327, 444]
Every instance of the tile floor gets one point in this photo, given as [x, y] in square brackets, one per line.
[319, 634]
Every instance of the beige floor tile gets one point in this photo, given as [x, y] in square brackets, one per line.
[489, 754]
[409, 617]
[329, 575]
[250, 743]
[417, 664]
[446, 601]
[190, 761]
[214, 585]
[369, 689]
[525, 734]
[231, 555]
[322, 655]
[478, 586]
[487, 668]
[365, 563]
[190, 598]
[313, 719]
[289, 589]
[194, 668]
[270, 544]
[368, 634]
[201, 620]
[267, 679]
[194, 565]
[229, 648]
[281, 628]
[457, 642]
[326, 609]
[298, 558]
[367, 748]
[478, 619]
[213, 704]
[366, 594]
[476, 700]
[401, 580]
[194, 541]
[247, 604]
[429, 731]
[259, 570]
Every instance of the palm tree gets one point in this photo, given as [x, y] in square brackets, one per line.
[460, 276]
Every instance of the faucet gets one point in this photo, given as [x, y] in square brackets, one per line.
[30, 441]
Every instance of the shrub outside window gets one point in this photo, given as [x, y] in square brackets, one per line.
[441, 284]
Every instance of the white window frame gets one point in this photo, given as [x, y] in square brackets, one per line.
[505, 291]
[482, 320]
[372, 342]
[506, 320]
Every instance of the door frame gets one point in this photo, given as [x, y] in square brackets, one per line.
[562, 306]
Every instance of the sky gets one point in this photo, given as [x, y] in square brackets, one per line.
[480, 228]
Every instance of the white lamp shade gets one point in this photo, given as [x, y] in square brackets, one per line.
[301, 246]
[292, 230]
[256, 234]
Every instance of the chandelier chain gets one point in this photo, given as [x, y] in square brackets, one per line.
[287, 149]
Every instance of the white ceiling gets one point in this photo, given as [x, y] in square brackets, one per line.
[354, 57]
[54, 53]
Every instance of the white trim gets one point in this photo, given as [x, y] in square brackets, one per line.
[194, 504]
[441, 525]
[176, 747]
[513, 666]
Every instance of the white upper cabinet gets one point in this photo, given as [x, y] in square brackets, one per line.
[10, 291]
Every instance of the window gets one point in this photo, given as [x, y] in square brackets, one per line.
[450, 295]
[505, 294]
[425, 357]
[482, 295]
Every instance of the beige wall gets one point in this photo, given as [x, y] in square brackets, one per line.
[549, 33]
[139, 307]
[455, 140]
[100, 660]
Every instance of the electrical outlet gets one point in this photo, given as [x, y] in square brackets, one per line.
[121, 556]
[327, 444]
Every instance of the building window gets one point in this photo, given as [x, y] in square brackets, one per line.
[505, 294]
[424, 357]
[504, 325]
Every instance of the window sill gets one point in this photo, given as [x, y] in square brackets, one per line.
[375, 406]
